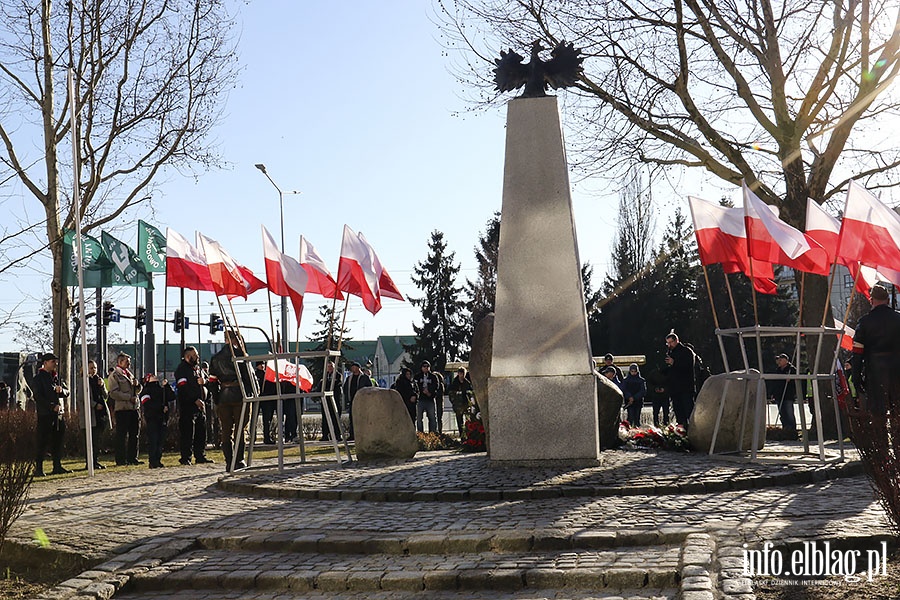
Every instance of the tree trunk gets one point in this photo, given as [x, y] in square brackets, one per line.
[815, 297]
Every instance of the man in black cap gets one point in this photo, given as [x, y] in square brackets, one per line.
[876, 356]
[354, 382]
[610, 361]
[784, 393]
[191, 385]
[49, 393]
[428, 385]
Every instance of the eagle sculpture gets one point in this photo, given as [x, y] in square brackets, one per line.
[560, 71]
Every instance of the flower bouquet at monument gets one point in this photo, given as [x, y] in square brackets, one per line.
[475, 435]
[671, 437]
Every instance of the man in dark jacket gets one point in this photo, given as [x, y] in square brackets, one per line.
[267, 408]
[784, 392]
[337, 385]
[49, 393]
[354, 382]
[876, 356]
[229, 399]
[429, 388]
[191, 386]
[408, 391]
[460, 391]
[680, 377]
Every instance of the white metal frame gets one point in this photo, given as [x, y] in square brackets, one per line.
[252, 397]
[757, 332]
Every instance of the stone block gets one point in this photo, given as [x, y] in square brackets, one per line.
[609, 412]
[382, 425]
[737, 415]
[544, 419]
[480, 366]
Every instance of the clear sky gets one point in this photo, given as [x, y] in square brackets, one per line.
[354, 105]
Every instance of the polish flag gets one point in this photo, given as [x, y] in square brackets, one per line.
[847, 338]
[320, 280]
[286, 276]
[386, 286]
[290, 373]
[826, 230]
[252, 283]
[870, 232]
[226, 277]
[772, 240]
[356, 271]
[721, 238]
[185, 265]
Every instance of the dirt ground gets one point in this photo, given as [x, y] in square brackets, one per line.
[18, 585]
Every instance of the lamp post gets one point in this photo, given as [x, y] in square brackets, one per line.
[284, 310]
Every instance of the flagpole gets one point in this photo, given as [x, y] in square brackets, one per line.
[76, 199]
[828, 291]
[199, 332]
[711, 303]
[731, 299]
[182, 323]
[149, 336]
[165, 329]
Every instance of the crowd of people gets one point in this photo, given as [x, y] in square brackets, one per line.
[674, 385]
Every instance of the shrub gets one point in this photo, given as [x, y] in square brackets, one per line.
[435, 441]
[17, 450]
[878, 440]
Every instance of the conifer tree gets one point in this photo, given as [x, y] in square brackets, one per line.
[329, 329]
[442, 336]
[481, 292]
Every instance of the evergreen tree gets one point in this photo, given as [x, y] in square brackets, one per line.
[329, 329]
[442, 335]
[481, 292]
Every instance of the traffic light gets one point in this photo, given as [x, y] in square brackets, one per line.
[140, 319]
[107, 312]
[216, 324]
[179, 321]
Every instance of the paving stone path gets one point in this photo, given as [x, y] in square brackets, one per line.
[444, 525]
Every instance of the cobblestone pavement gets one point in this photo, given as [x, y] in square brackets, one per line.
[641, 525]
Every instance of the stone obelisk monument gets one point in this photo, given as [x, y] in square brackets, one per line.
[543, 403]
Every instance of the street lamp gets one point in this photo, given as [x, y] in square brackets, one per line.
[284, 310]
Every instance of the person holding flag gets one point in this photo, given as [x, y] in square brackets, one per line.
[223, 378]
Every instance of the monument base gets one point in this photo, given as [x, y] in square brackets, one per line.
[544, 420]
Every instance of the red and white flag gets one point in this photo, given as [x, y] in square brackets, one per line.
[386, 285]
[252, 283]
[826, 230]
[226, 277]
[870, 231]
[320, 280]
[847, 339]
[185, 265]
[356, 271]
[285, 275]
[772, 240]
[296, 375]
[721, 238]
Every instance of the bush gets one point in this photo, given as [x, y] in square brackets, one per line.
[17, 452]
[877, 437]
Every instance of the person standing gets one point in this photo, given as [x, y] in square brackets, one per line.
[876, 357]
[659, 396]
[634, 388]
[680, 378]
[784, 392]
[406, 387]
[49, 396]
[336, 384]
[124, 389]
[191, 385]
[229, 399]
[100, 419]
[428, 385]
[610, 361]
[460, 392]
[6, 402]
[155, 400]
[353, 384]
[267, 408]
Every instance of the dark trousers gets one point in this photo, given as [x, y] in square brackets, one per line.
[50, 432]
[439, 412]
[327, 406]
[411, 407]
[634, 413]
[192, 432]
[233, 430]
[156, 436]
[683, 405]
[786, 412]
[126, 436]
[268, 408]
[660, 404]
[290, 419]
[96, 432]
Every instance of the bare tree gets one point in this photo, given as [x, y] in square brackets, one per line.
[150, 76]
[785, 95]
